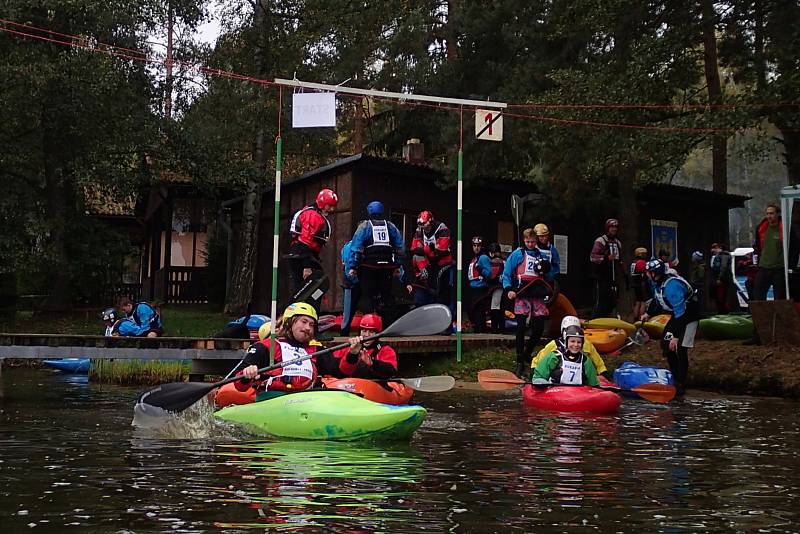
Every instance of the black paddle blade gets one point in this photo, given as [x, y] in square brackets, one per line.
[423, 321]
[176, 396]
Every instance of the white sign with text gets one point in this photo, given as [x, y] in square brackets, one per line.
[314, 110]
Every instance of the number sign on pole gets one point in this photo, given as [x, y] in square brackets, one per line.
[488, 124]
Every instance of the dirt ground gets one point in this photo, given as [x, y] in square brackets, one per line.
[729, 367]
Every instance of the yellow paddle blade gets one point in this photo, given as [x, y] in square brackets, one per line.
[498, 379]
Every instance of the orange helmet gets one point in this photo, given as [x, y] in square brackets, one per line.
[327, 198]
[371, 321]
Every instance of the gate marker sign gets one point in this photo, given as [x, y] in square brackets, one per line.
[488, 124]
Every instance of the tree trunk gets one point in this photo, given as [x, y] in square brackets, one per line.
[719, 143]
[245, 265]
[57, 200]
[169, 79]
[629, 231]
[791, 153]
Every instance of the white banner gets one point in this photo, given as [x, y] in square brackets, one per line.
[561, 243]
[314, 110]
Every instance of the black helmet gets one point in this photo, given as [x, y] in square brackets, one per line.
[109, 314]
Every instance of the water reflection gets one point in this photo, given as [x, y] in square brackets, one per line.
[298, 484]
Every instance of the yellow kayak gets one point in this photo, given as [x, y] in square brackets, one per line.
[655, 326]
[606, 340]
[610, 323]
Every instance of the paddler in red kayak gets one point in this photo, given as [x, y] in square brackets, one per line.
[367, 359]
[568, 364]
[588, 348]
[294, 339]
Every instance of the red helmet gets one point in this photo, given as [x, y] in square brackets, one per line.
[326, 198]
[424, 217]
[371, 321]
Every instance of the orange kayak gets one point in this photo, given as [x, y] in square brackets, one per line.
[228, 394]
[383, 392]
[606, 340]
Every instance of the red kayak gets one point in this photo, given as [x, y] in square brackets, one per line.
[395, 393]
[585, 399]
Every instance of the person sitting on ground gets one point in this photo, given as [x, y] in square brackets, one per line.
[367, 359]
[568, 364]
[588, 348]
[145, 317]
[294, 339]
[112, 320]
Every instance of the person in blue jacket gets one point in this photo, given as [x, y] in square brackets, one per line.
[376, 251]
[527, 280]
[484, 280]
[673, 294]
[351, 289]
[145, 317]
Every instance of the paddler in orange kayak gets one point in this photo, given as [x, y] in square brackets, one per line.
[366, 359]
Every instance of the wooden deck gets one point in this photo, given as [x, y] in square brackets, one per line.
[212, 356]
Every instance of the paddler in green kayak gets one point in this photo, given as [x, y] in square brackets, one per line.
[294, 339]
[568, 364]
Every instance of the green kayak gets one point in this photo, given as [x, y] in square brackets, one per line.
[326, 414]
[727, 327]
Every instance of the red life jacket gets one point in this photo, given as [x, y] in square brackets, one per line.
[311, 227]
[528, 268]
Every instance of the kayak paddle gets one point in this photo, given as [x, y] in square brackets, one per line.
[177, 396]
[499, 379]
[428, 384]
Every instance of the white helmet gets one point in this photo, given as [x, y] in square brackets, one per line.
[569, 320]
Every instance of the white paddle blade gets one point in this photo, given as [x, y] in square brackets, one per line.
[430, 384]
[423, 321]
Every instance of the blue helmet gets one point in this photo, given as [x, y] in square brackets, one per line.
[656, 266]
[375, 209]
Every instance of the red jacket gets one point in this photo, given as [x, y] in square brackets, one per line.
[310, 227]
[289, 378]
[431, 248]
[384, 362]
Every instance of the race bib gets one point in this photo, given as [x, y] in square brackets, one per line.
[571, 372]
[290, 352]
[530, 265]
[380, 235]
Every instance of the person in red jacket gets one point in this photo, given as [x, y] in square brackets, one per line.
[432, 262]
[294, 340]
[310, 229]
[367, 359]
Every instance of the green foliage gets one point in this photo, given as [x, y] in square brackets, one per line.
[139, 372]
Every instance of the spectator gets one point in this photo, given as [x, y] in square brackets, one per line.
[720, 276]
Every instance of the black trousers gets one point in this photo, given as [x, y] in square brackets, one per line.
[766, 277]
[678, 363]
[375, 288]
[605, 298]
[525, 350]
[480, 302]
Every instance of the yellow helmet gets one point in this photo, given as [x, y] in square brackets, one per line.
[264, 330]
[300, 308]
[640, 252]
[541, 229]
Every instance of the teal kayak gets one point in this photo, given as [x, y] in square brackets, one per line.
[326, 415]
[727, 327]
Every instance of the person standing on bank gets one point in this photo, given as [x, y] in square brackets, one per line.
[376, 251]
[432, 263]
[310, 230]
[482, 281]
[524, 282]
[674, 295]
[720, 276]
[639, 282]
[768, 257]
[608, 270]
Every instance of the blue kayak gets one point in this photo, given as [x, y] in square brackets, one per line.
[630, 375]
[70, 365]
